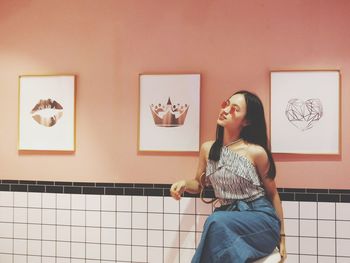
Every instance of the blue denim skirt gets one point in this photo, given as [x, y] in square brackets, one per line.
[238, 233]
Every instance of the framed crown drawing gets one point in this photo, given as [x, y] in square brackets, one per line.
[47, 113]
[305, 111]
[169, 112]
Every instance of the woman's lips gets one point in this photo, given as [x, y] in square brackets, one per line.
[47, 112]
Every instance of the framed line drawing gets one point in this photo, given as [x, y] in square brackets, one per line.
[305, 111]
[169, 111]
[47, 112]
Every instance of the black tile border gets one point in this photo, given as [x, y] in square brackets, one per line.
[142, 189]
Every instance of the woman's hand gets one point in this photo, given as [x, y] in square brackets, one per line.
[177, 189]
[282, 249]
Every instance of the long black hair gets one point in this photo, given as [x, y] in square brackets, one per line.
[254, 132]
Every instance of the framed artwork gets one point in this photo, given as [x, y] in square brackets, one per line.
[47, 113]
[169, 112]
[305, 112]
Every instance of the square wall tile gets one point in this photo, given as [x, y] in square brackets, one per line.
[6, 198]
[186, 255]
[6, 230]
[93, 234]
[63, 201]
[63, 233]
[93, 202]
[155, 221]
[108, 203]
[34, 231]
[171, 221]
[63, 249]
[78, 250]
[20, 231]
[123, 203]
[16, 258]
[323, 259]
[343, 247]
[326, 210]
[63, 260]
[155, 204]
[292, 244]
[308, 210]
[308, 228]
[155, 238]
[48, 200]
[188, 205]
[326, 246]
[139, 237]
[124, 236]
[63, 217]
[20, 246]
[8, 214]
[326, 228]
[78, 234]
[202, 208]
[139, 254]
[48, 259]
[34, 247]
[108, 219]
[20, 199]
[34, 200]
[308, 259]
[200, 222]
[171, 255]
[187, 239]
[124, 220]
[48, 248]
[343, 260]
[123, 253]
[33, 259]
[34, 215]
[139, 203]
[78, 202]
[155, 255]
[139, 220]
[308, 246]
[291, 227]
[290, 209]
[78, 218]
[108, 235]
[171, 205]
[108, 252]
[93, 218]
[342, 211]
[48, 232]
[343, 229]
[187, 222]
[48, 216]
[171, 238]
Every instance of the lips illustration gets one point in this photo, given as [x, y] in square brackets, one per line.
[47, 112]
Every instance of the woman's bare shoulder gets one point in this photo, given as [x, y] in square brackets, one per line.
[206, 146]
[257, 153]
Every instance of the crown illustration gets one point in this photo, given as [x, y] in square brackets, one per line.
[169, 115]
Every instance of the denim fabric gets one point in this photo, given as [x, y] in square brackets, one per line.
[238, 233]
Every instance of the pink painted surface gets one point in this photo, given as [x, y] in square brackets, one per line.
[233, 44]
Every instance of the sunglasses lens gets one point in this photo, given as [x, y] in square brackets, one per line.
[224, 104]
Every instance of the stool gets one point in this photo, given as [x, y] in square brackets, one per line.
[274, 257]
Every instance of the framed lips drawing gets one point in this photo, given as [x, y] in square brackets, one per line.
[305, 111]
[47, 113]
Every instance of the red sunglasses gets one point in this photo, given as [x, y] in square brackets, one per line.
[227, 103]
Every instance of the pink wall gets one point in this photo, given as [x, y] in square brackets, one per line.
[233, 44]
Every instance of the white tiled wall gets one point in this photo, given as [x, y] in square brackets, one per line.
[43, 227]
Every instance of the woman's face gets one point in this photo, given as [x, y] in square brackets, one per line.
[232, 113]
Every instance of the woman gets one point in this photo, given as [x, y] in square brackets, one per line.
[238, 164]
